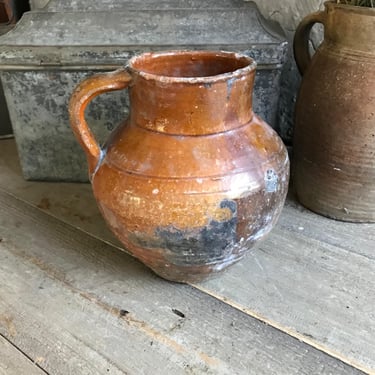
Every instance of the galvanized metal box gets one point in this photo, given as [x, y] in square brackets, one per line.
[50, 51]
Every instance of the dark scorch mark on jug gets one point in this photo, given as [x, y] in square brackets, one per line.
[195, 246]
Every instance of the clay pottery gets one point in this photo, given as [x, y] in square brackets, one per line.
[192, 179]
[334, 139]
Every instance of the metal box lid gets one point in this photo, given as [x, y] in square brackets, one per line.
[106, 39]
[110, 5]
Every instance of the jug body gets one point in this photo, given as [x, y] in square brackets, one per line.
[334, 138]
[192, 179]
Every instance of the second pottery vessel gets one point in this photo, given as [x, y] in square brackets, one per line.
[334, 139]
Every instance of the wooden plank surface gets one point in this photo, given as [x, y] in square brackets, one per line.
[315, 279]
[77, 305]
[71, 202]
[13, 362]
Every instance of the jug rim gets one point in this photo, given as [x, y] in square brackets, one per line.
[235, 73]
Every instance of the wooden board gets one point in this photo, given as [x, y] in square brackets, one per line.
[77, 305]
[71, 202]
[14, 362]
[313, 278]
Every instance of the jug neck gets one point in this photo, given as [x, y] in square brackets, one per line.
[186, 100]
[350, 28]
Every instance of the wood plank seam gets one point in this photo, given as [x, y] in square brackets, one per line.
[34, 362]
[115, 311]
[290, 332]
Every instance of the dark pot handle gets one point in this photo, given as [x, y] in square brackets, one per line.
[87, 90]
[301, 39]
[9, 8]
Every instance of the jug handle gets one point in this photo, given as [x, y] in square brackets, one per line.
[301, 39]
[87, 90]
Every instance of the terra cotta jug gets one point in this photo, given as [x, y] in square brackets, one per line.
[192, 179]
[334, 138]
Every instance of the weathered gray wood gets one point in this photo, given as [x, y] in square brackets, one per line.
[355, 238]
[13, 362]
[70, 202]
[82, 306]
[314, 279]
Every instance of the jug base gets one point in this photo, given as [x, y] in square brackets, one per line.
[192, 274]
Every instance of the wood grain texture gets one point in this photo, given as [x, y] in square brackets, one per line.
[314, 278]
[71, 202]
[13, 362]
[78, 305]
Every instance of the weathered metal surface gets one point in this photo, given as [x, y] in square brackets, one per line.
[50, 52]
[334, 143]
[193, 179]
[46, 145]
[105, 5]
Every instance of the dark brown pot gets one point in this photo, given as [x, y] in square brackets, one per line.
[193, 178]
[334, 140]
